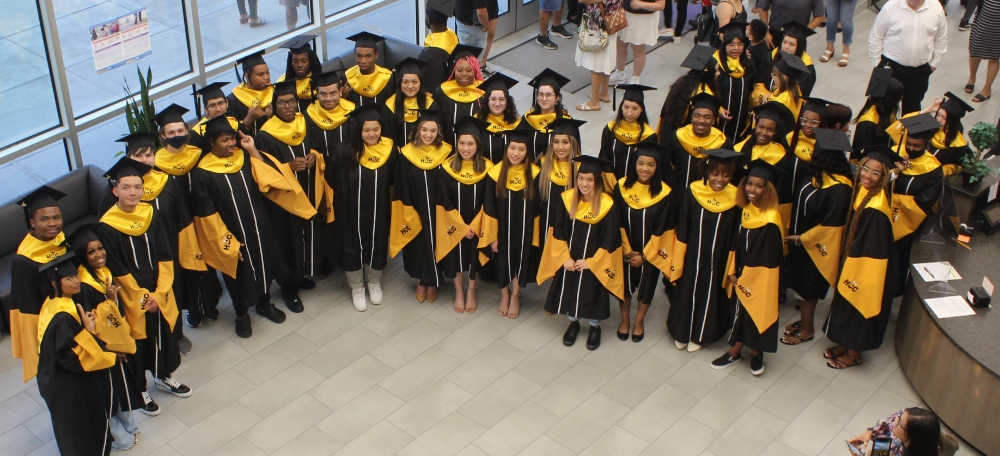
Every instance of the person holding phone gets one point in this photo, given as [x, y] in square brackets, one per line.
[909, 432]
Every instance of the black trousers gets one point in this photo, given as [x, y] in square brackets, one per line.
[682, 15]
[915, 81]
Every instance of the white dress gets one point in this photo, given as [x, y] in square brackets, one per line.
[598, 62]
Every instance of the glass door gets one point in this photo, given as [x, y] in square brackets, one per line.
[515, 15]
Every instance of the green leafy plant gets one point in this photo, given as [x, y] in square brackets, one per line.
[140, 114]
[983, 136]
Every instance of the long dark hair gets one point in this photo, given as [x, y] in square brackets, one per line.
[478, 162]
[854, 216]
[558, 108]
[952, 128]
[923, 431]
[356, 143]
[399, 106]
[798, 127]
[887, 107]
[529, 185]
[655, 182]
[510, 114]
[829, 162]
[749, 70]
[642, 120]
[675, 106]
[315, 67]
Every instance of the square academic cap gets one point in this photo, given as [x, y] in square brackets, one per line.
[836, 140]
[878, 84]
[137, 141]
[921, 126]
[955, 106]
[40, 198]
[701, 58]
[299, 44]
[883, 154]
[723, 154]
[797, 30]
[549, 77]
[211, 91]
[171, 114]
[498, 81]
[463, 50]
[327, 79]
[365, 40]
[251, 60]
[127, 167]
[441, 10]
[792, 65]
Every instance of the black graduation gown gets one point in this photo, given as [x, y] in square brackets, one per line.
[757, 254]
[685, 151]
[375, 88]
[457, 103]
[618, 147]
[73, 378]
[862, 299]
[403, 126]
[538, 125]
[914, 194]
[436, 70]
[868, 133]
[701, 309]
[418, 184]
[464, 191]
[760, 55]
[735, 95]
[494, 140]
[513, 222]
[327, 135]
[28, 290]
[818, 217]
[238, 110]
[362, 203]
[547, 209]
[595, 237]
[648, 226]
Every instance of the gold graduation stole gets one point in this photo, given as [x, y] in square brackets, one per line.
[540, 122]
[498, 125]
[426, 157]
[804, 148]
[712, 200]
[921, 165]
[50, 309]
[694, 144]
[462, 94]
[410, 106]
[937, 141]
[785, 97]
[41, 251]
[736, 70]
[111, 327]
[250, 97]
[515, 176]
[152, 184]
[90, 355]
[630, 132]
[559, 173]
[584, 211]
[467, 175]
[637, 197]
[753, 217]
[871, 115]
[772, 152]
[757, 286]
[375, 156]
[223, 165]
[824, 243]
[368, 85]
[180, 163]
[446, 40]
[862, 279]
[329, 119]
[290, 133]
[303, 86]
[806, 60]
[100, 282]
[200, 127]
[133, 223]
[829, 180]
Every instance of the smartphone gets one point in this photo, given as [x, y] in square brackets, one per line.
[880, 446]
[855, 451]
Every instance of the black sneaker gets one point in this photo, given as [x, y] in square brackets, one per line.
[570, 337]
[757, 364]
[184, 345]
[149, 406]
[293, 302]
[307, 284]
[169, 385]
[545, 42]
[212, 314]
[192, 319]
[963, 25]
[270, 312]
[561, 32]
[243, 326]
[725, 361]
[594, 338]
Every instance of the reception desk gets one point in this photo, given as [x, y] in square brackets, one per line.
[954, 364]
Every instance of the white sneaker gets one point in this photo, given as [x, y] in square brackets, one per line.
[634, 80]
[693, 347]
[666, 31]
[680, 345]
[358, 297]
[375, 292]
[617, 78]
[678, 40]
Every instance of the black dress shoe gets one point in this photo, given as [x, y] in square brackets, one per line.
[293, 302]
[211, 314]
[623, 336]
[307, 284]
[570, 337]
[243, 327]
[594, 338]
[638, 337]
[268, 311]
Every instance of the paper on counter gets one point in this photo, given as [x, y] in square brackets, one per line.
[950, 306]
[938, 271]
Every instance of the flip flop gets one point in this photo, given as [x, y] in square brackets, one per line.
[796, 334]
[585, 107]
[838, 363]
[260, 22]
[969, 88]
[829, 353]
[791, 328]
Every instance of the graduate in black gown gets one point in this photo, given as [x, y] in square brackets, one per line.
[767, 141]
[701, 309]
[362, 176]
[140, 257]
[753, 268]
[464, 191]
[688, 143]
[44, 242]
[948, 145]
[231, 219]
[508, 227]
[879, 112]
[73, 367]
[647, 213]
[369, 82]
[760, 55]
[250, 102]
[630, 127]
[737, 74]
[816, 234]
[99, 294]
[460, 96]
[583, 256]
[702, 77]
[546, 108]
[500, 112]
[409, 98]
[439, 44]
[801, 141]
[557, 172]
[794, 42]
[285, 138]
[862, 299]
[302, 65]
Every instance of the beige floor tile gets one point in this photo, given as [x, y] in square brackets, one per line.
[287, 423]
[791, 394]
[616, 441]
[17, 410]
[549, 362]
[499, 399]
[266, 333]
[775, 366]
[274, 358]
[429, 407]
[203, 368]
[312, 442]
[486, 366]
[425, 370]
[476, 335]
[533, 333]
[41, 426]
[544, 446]
[587, 422]
[814, 427]
[880, 405]
[212, 397]
[381, 439]
[215, 431]
[614, 355]
[334, 323]
[350, 381]
[571, 388]
[517, 430]
[779, 449]
[154, 436]
[667, 351]
[472, 450]
[837, 445]
[19, 441]
[48, 449]
[725, 403]
[397, 316]
[240, 446]
[685, 437]
[636, 382]
[359, 415]
[448, 436]
[697, 378]
[409, 343]
[853, 387]
[281, 389]
[344, 350]
[898, 383]
[653, 416]
[749, 435]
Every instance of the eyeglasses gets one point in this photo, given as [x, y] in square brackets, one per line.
[325, 96]
[546, 95]
[285, 104]
[808, 122]
[498, 99]
[873, 173]
[217, 105]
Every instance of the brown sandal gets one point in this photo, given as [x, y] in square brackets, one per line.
[839, 363]
[834, 351]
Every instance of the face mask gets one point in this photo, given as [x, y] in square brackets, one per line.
[177, 141]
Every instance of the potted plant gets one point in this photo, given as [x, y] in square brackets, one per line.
[141, 115]
[982, 136]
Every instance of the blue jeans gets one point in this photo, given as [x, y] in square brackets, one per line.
[123, 429]
[471, 35]
[592, 321]
[843, 11]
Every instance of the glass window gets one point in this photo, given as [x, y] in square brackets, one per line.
[19, 176]
[375, 22]
[91, 89]
[336, 6]
[222, 33]
[25, 80]
[503, 7]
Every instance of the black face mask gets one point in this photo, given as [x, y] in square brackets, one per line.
[177, 141]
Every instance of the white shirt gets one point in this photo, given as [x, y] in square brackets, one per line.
[908, 37]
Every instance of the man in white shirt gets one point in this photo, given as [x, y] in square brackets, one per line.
[909, 36]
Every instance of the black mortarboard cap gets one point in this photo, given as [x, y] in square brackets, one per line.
[764, 170]
[409, 65]
[299, 44]
[127, 167]
[817, 105]
[365, 40]
[651, 149]
[791, 65]
[470, 125]
[218, 124]
[796, 30]
[286, 87]
[734, 29]
[171, 114]
[40, 198]
[777, 112]
[137, 141]
[211, 91]
[594, 165]
[80, 237]
[566, 126]
[883, 154]
[365, 113]
[955, 106]
[60, 268]
[921, 126]
[520, 136]
[701, 58]
[835, 140]
[706, 100]
[440, 10]
[498, 81]
[464, 50]
[722, 154]
[550, 78]
[251, 60]
[634, 92]
[878, 84]
[436, 115]
[328, 78]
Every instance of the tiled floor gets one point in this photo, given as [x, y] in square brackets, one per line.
[419, 379]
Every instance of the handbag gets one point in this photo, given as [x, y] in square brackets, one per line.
[614, 17]
[593, 38]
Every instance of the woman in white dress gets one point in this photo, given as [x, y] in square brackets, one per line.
[600, 63]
